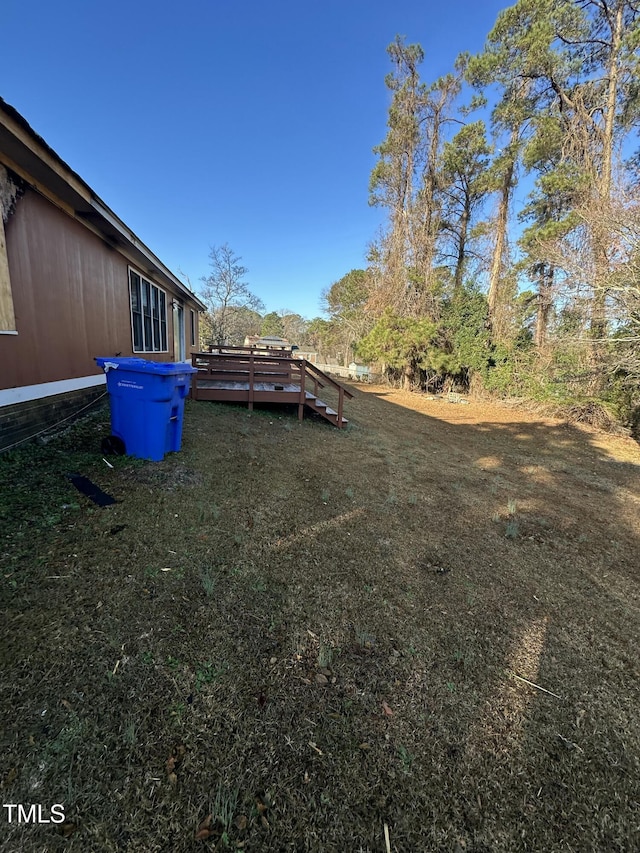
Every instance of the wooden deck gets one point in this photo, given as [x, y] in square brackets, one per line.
[245, 375]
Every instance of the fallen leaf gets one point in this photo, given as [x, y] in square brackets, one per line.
[306, 779]
[260, 806]
[173, 779]
[171, 764]
[321, 679]
[203, 834]
[206, 823]
[66, 704]
[387, 709]
[241, 822]
[264, 822]
[67, 829]
[364, 746]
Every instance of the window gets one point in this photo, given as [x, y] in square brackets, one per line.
[148, 315]
[193, 328]
[8, 194]
[7, 317]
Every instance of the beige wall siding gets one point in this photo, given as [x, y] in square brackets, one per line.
[70, 295]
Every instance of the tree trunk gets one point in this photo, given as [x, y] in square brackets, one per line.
[545, 301]
[598, 326]
[495, 297]
[462, 248]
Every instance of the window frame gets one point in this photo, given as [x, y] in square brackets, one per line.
[152, 303]
[7, 310]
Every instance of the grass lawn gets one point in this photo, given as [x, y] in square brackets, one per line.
[293, 638]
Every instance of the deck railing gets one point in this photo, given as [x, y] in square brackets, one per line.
[252, 366]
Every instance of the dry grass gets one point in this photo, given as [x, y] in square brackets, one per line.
[285, 637]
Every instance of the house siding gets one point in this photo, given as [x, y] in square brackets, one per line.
[69, 294]
[71, 298]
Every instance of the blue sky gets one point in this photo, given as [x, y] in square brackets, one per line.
[249, 122]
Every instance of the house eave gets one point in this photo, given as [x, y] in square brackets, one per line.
[24, 151]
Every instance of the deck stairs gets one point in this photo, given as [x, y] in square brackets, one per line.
[316, 405]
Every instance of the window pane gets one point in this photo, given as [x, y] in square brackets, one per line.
[137, 333]
[163, 321]
[136, 313]
[155, 314]
[146, 297]
[135, 292]
[146, 315]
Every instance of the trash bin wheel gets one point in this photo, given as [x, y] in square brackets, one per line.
[113, 446]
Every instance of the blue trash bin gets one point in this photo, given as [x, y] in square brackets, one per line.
[147, 404]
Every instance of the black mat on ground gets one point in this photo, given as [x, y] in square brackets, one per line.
[95, 494]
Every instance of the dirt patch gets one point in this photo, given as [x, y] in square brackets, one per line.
[287, 637]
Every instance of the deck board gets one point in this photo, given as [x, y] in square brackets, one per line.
[228, 385]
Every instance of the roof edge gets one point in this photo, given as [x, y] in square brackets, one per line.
[40, 147]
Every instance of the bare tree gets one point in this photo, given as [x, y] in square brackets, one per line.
[226, 293]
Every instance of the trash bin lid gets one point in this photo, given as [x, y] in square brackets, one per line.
[142, 365]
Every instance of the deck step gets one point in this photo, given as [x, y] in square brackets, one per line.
[321, 408]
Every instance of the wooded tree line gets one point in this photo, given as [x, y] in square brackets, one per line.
[510, 255]
[509, 258]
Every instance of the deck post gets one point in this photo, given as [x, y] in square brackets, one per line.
[303, 395]
[193, 392]
[340, 406]
[252, 368]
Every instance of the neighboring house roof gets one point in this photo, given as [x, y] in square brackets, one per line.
[273, 341]
[27, 154]
[266, 341]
